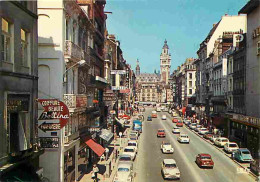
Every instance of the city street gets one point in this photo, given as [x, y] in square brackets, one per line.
[148, 162]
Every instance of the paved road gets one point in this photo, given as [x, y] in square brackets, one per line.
[148, 162]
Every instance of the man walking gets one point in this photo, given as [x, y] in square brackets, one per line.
[95, 171]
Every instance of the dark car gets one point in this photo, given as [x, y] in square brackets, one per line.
[149, 118]
[204, 160]
[255, 167]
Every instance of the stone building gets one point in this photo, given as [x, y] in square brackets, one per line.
[19, 151]
[165, 63]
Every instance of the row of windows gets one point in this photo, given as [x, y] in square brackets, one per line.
[7, 43]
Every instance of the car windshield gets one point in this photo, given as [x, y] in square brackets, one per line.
[232, 145]
[131, 144]
[184, 136]
[193, 124]
[160, 130]
[203, 129]
[166, 144]
[125, 159]
[129, 150]
[176, 128]
[245, 152]
[123, 169]
[170, 165]
[205, 157]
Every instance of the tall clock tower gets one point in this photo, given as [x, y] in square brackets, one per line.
[165, 59]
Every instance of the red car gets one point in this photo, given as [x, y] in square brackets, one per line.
[204, 160]
[179, 124]
[161, 133]
[174, 120]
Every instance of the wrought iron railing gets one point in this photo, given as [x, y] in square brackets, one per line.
[72, 50]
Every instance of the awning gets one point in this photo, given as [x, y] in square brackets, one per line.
[98, 149]
[106, 134]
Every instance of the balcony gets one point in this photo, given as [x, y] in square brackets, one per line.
[72, 51]
[75, 101]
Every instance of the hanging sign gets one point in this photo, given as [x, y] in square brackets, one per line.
[54, 109]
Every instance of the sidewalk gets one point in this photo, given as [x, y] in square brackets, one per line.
[107, 169]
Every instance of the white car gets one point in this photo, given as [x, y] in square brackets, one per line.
[164, 117]
[124, 172]
[167, 148]
[231, 147]
[130, 150]
[198, 127]
[193, 126]
[170, 170]
[221, 141]
[136, 132]
[176, 130]
[183, 138]
[203, 131]
[133, 143]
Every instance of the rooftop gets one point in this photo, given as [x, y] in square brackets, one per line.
[250, 6]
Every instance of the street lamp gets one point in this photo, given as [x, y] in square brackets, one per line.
[81, 62]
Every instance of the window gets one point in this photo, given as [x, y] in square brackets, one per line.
[24, 48]
[190, 83]
[6, 41]
[190, 91]
[258, 48]
[67, 30]
[190, 75]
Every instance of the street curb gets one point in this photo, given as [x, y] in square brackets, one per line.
[222, 151]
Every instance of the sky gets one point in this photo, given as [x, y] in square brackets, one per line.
[141, 26]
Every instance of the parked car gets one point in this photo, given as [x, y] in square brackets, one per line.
[193, 126]
[149, 118]
[176, 130]
[204, 160]
[164, 117]
[198, 126]
[255, 167]
[125, 158]
[134, 144]
[136, 132]
[203, 131]
[231, 147]
[124, 172]
[166, 148]
[214, 137]
[243, 155]
[161, 133]
[154, 114]
[221, 141]
[187, 122]
[183, 138]
[179, 123]
[130, 150]
[170, 170]
[208, 135]
[133, 136]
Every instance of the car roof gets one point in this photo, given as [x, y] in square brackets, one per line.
[221, 138]
[161, 129]
[169, 161]
[183, 134]
[232, 143]
[132, 141]
[124, 165]
[243, 149]
[129, 147]
[125, 155]
[206, 155]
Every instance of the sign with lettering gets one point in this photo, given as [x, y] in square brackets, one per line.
[49, 142]
[49, 126]
[54, 109]
[94, 129]
[118, 72]
[118, 88]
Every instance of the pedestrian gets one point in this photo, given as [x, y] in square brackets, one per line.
[233, 155]
[106, 151]
[95, 171]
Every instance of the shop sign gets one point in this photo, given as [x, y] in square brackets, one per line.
[232, 33]
[94, 129]
[125, 91]
[18, 102]
[49, 126]
[118, 72]
[54, 109]
[81, 101]
[49, 142]
[118, 88]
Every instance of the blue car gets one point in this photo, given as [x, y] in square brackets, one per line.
[243, 155]
[149, 118]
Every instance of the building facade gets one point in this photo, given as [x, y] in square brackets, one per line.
[19, 151]
[165, 63]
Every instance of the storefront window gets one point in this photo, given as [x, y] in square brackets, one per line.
[82, 162]
[69, 165]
